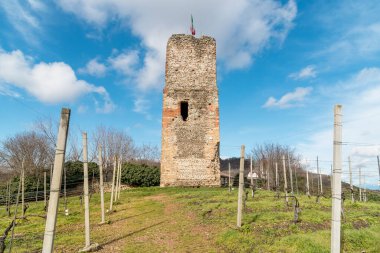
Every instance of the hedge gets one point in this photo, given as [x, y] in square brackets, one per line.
[140, 175]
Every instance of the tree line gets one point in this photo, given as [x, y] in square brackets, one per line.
[35, 148]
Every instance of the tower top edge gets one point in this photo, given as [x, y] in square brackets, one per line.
[186, 37]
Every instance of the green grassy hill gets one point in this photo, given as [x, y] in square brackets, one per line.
[201, 220]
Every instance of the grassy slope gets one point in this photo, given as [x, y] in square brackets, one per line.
[202, 220]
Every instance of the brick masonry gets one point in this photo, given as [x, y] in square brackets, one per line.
[190, 148]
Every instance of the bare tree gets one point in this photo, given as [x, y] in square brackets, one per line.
[268, 154]
[75, 151]
[148, 154]
[49, 128]
[34, 148]
[114, 143]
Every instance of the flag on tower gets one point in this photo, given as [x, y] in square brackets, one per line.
[192, 30]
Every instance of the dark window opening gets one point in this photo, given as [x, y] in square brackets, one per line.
[184, 110]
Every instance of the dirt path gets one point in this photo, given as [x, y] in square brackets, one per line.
[168, 227]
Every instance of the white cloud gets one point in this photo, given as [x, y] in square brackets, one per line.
[49, 82]
[242, 28]
[125, 63]
[290, 99]
[94, 68]
[305, 73]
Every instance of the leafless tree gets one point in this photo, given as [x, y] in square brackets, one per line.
[114, 143]
[48, 129]
[32, 147]
[268, 154]
[148, 154]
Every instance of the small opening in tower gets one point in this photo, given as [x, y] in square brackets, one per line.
[184, 110]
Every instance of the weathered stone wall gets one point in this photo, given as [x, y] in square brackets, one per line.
[190, 148]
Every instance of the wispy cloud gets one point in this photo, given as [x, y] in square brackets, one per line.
[305, 73]
[23, 17]
[94, 68]
[37, 5]
[290, 99]
[125, 63]
[242, 28]
[142, 105]
[358, 42]
[53, 82]
[8, 91]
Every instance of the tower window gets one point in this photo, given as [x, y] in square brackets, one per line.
[184, 110]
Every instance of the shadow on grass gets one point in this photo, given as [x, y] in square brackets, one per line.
[132, 216]
[131, 233]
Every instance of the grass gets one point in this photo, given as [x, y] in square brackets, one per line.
[201, 220]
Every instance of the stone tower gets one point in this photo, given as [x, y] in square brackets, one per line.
[190, 115]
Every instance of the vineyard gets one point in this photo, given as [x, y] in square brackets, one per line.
[200, 220]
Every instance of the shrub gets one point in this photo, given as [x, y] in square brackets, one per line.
[140, 175]
[74, 173]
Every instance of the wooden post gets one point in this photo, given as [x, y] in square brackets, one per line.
[45, 191]
[351, 186]
[364, 190]
[307, 183]
[251, 170]
[337, 191]
[295, 175]
[378, 166]
[55, 186]
[119, 187]
[38, 182]
[360, 185]
[241, 187]
[268, 185]
[85, 189]
[100, 161]
[277, 184]
[285, 182]
[290, 174]
[229, 177]
[22, 188]
[88, 246]
[9, 198]
[116, 180]
[331, 180]
[318, 184]
[113, 182]
[92, 183]
[321, 182]
[319, 178]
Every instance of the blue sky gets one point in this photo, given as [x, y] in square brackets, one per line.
[282, 65]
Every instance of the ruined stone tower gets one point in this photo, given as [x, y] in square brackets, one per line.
[190, 116]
